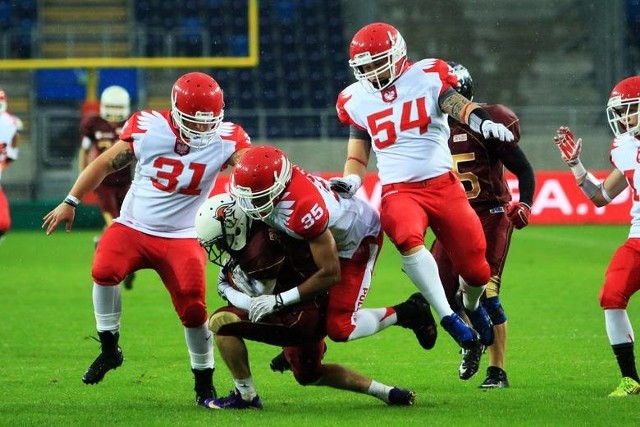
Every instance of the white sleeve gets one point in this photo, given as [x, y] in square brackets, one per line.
[235, 297]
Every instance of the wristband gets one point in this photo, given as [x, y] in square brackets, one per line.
[291, 296]
[578, 170]
[72, 201]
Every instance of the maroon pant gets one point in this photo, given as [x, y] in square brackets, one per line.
[299, 329]
[497, 230]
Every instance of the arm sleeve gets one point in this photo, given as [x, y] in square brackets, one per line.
[233, 296]
[357, 133]
[516, 162]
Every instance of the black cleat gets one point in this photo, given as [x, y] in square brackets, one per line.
[401, 397]
[280, 363]
[128, 281]
[496, 378]
[110, 357]
[204, 385]
[415, 314]
[470, 361]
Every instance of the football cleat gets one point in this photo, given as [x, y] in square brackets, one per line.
[480, 321]
[280, 363]
[470, 361]
[401, 397]
[110, 357]
[465, 336]
[233, 401]
[496, 378]
[627, 387]
[204, 385]
[415, 314]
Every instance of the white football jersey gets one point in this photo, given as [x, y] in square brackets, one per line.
[408, 131]
[625, 156]
[172, 179]
[8, 130]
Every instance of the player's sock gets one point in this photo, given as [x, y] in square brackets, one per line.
[107, 306]
[471, 295]
[200, 346]
[423, 272]
[246, 388]
[368, 321]
[379, 390]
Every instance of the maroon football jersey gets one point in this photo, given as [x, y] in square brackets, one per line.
[478, 161]
[298, 263]
[103, 135]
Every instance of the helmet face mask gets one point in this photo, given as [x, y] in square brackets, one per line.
[197, 108]
[465, 82]
[259, 179]
[115, 104]
[378, 56]
[221, 226]
[623, 108]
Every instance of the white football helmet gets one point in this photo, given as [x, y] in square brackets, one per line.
[221, 226]
[115, 104]
[623, 108]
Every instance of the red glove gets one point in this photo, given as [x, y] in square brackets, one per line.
[518, 214]
[568, 146]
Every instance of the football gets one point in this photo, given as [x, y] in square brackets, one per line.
[263, 255]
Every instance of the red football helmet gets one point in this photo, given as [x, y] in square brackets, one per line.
[3, 101]
[259, 178]
[197, 108]
[378, 55]
[623, 107]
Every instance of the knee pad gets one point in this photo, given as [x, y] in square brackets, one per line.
[495, 310]
[307, 378]
[193, 314]
[339, 332]
[612, 300]
[105, 275]
[222, 318]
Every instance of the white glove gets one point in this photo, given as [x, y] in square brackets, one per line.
[264, 305]
[491, 129]
[346, 186]
[249, 286]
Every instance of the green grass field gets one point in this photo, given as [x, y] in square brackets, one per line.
[559, 362]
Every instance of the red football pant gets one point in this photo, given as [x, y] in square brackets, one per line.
[180, 263]
[407, 209]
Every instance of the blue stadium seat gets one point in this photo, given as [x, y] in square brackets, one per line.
[6, 13]
[239, 45]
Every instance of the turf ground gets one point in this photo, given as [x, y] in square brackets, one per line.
[560, 364]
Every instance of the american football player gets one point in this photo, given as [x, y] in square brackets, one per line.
[622, 278]
[479, 163]
[10, 127]
[399, 109]
[179, 153]
[262, 261]
[98, 133]
[344, 236]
